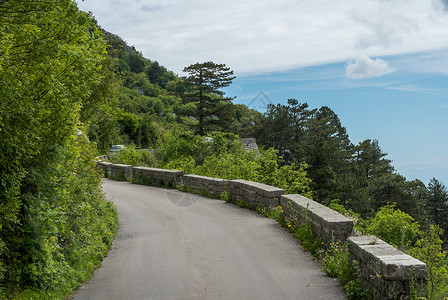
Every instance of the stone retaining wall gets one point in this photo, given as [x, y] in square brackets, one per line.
[203, 184]
[120, 172]
[250, 144]
[327, 224]
[105, 167]
[255, 193]
[388, 271]
[154, 176]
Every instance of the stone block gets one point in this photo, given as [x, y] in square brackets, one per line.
[105, 167]
[159, 176]
[205, 184]
[388, 270]
[255, 192]
[392, 263]
[326, 223]
[120, 172]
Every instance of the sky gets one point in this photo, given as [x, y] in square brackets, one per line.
[381, 65]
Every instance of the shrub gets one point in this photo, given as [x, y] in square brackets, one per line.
[132, 156]
[394, 227]
[428, 248]
[66, 228]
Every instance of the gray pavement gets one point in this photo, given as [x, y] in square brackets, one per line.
[174, 245]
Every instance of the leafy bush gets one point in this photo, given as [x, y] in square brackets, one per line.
[67, 226]
[428, 248]
[394, 227]
[273, 213]
[132, 156]
[179, 142]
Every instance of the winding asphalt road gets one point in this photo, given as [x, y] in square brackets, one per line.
[174, 245]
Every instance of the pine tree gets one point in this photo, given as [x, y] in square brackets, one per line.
[275, 130]
[213, 110]
[327, 151]
[437, 204]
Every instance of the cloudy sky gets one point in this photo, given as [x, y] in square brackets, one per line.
[381, 65]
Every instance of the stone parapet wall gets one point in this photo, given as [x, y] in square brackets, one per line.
[255, 193]
[120, 172]
[203, 184]
[389, 272]
[154, 176]
[105, 167]
[250, 144]
[327, 224]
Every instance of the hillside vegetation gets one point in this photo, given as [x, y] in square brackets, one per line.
[55, 225]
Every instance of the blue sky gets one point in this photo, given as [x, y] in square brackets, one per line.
[406, 113]
[381, 65]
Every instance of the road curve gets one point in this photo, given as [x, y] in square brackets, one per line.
[174, 245]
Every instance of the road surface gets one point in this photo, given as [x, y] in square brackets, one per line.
[174, 245]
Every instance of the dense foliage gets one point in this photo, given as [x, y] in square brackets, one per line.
[55, 225]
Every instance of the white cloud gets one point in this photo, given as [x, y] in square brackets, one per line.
[365, 67]
[384, 28]
[406, 88]
[425, 163]
[254, 36]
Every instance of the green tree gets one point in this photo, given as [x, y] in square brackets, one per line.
[276, 129]
[367, 168]
[213, 110]
[147, 132]
[436, 206]
[299, 114]
[327, 151]
[370, 161]
[246, 120]
[284, 127]
[158, 74]
[428, 249]
[129, 123]
[136, 61]
[99, 111]
[394, 227]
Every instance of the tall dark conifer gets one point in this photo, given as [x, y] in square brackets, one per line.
[437, 204]
[327, 151]
[204, 83]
